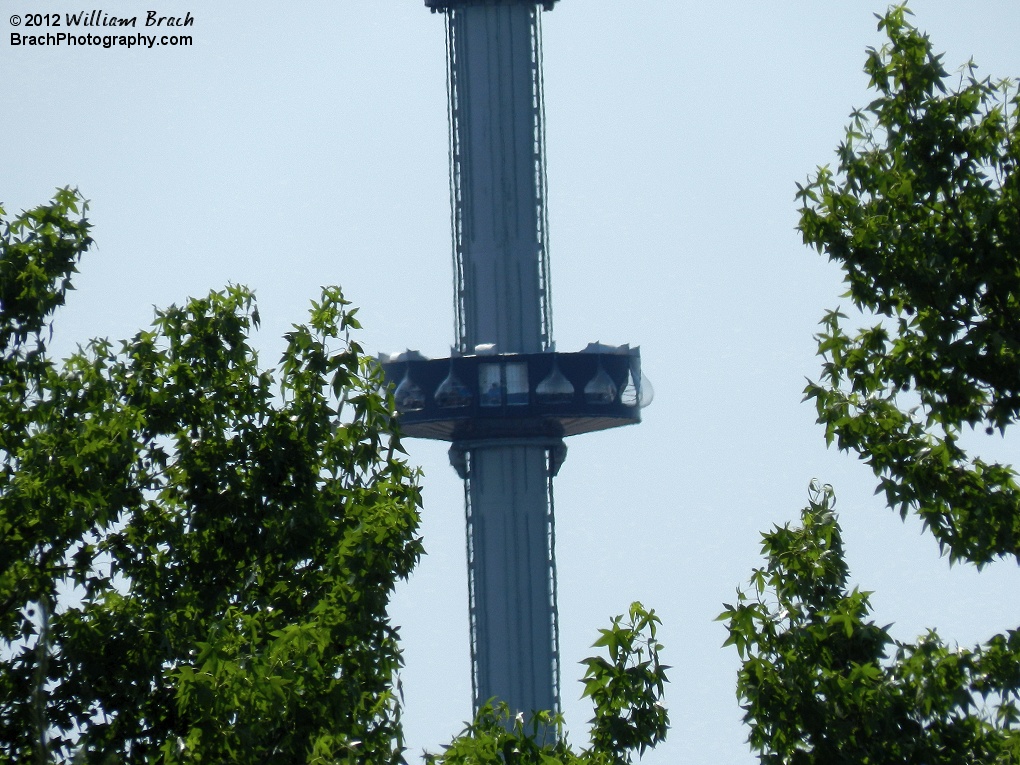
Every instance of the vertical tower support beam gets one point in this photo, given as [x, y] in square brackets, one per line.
[511, 566]
[498, 177]
[502, 297]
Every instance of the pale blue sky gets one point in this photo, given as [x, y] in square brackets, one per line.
[306, 144]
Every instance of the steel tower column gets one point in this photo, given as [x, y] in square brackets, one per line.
[506, 398]
[498, 177]
[511, 578]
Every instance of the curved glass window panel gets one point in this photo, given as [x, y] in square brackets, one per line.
[408, 396]
[555, 388]
[490, 385]
[647, 392]
[452, 393]
[600, 389]
[629, 396]
[516, 383]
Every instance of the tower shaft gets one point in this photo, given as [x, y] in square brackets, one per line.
[506, 398]
[498, 176]
[502, 298]
[510, 567]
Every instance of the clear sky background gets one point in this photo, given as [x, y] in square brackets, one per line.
[301, 144]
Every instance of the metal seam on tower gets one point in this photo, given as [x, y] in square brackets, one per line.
[472, 612]
[542, 181]
[458, 277]
[553, 595]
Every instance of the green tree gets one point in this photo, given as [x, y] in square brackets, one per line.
[923, 215]
[196, 554]
[626, 690]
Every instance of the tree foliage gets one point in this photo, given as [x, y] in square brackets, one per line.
[822, 683]
[196, 554]
[923, 215]
[626, 690]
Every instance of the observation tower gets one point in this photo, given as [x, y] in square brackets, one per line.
[505, 398]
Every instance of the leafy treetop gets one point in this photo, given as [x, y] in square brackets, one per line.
[195, 554]
[923, 215]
